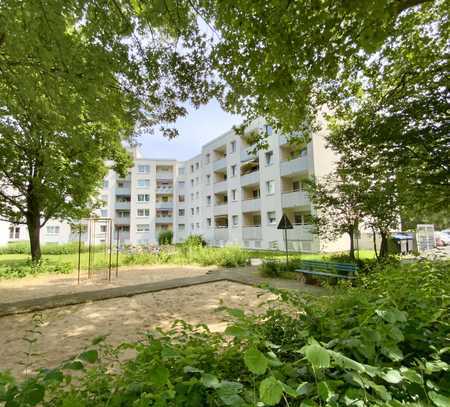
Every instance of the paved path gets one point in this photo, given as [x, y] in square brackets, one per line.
[238, 275]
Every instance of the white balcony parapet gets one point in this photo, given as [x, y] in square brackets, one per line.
[164, 219]
[251, 205]
[123, 191]
[164, 205]
[251, 232]
[297, 165]
[221, 209]
[291, 199]
[164, 190]
[248, 155]
[122, 205]
[164, 175]
[220, 186]
[249, 179]
[220, 164]
[221, 233]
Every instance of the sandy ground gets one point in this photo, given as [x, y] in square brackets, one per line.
[51, 284]
[68, 330]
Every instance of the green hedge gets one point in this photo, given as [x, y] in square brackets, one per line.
[383, 343]
[49, 248]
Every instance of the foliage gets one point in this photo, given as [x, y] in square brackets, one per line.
[194, 241]
[32, 268]
[276, 268]
[165, 237]
[384, 343]
[78, 80]
[337, 200]
[49, 248]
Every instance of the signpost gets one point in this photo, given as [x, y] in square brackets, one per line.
[285, 224]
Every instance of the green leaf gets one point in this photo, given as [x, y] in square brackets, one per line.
[324, 391]
[159, 375]
[236, 331]
[228, 392]
[98, 339]
[33, 394]
[392, 376]
[209, 380]
[317, 356]
[74, 365]
[90, 356]
[270, 391]
[392, 315]
[255, 361]
[305, 388]
[439, 400]
[192, 369]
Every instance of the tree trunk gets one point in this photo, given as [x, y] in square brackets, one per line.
[374, 237]
[384, 245]
[34, 232]
[352, 245]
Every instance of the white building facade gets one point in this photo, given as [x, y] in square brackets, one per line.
[227, 193]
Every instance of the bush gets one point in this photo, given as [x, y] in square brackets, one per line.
[30, 269]
[165, 237]
[49, 248]
[384, 343]
[194, 241]
[276, 268]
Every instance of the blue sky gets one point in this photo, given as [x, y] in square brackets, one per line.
[196, 129]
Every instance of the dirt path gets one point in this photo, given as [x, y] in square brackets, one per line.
[51, 284]
[68, 330]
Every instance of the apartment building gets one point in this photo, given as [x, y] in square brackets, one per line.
[229, 194]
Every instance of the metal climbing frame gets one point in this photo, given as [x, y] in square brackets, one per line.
[88, 227]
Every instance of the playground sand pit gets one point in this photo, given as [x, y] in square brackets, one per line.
[50, 284]
[68, 330]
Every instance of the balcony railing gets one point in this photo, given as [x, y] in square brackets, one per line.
[220, 186]
[221, 209]
[221, 233]
[302, 232]
[123, 191]
[251, 232]
[250, 178]
[290, 199]
[251, 205]
[164, 205]
[123, 205]
[164, 190]
[164, 219]
[248, 155]
[297, 165]
[220, 164]
[164, 175]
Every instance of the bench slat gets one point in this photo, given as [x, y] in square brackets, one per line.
[319, 273]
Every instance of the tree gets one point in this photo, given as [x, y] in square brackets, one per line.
[77, 79]
[337, 202]
[281, 59]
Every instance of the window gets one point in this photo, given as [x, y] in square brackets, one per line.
[257, 220]
[52, 230]
[192, 168]
[197, 195]
[103, 228]
[208, 158]
[192, 211]
[255, 193]
[181, 171]
[208, 200]
[14, 232]
[143, 169]
[180, 198]
[104, 198]
[120, 184]
[233, 146]
[197, 225]
[271, 217]
[192, 226]
[235, 220]
[269, 130]
[192, 196]
[298, 218]
[143, 183]
[143, 212]
[105, 184]
[233, 194]
[143, 228]
[208, 222]
[196, 180]
[208, 179]
[269, 157]
[181, 184]
[197, 210]
[233, 170]
[192, 182]
[123, 214]
[104, 213]
[123, 228]
[181, 212]
[296, 186]
[181, 227]
[143, 197]
[270, 187]
[197, 166]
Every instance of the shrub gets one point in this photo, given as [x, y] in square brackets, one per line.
[384, 343]
[165, 237]
[194, 241]
[49, 248]
[30, 269]
[276, 267]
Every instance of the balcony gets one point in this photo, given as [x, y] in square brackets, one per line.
[221, 209]
[220, 186]
[301, 232]
[164, 190]
[250, 179]
[221, 233]
[122, 220]
[163, 219]
[294, 166]
[164, 205]
[251, 232]
[220, 164]
[123, 191]
[122, 205]
[294, 199]
[164, 175]
[247, 155]
[251, 205]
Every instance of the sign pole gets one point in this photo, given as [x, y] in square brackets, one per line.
[285, 224]
[286, 245]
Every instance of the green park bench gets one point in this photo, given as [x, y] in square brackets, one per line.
[328, 269]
